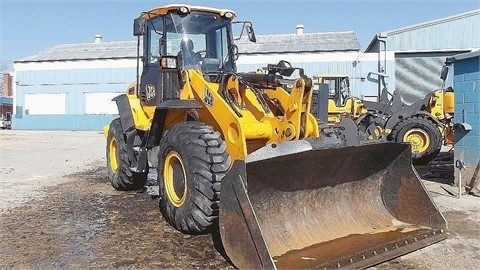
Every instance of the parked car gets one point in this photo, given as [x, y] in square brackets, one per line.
[6, 121]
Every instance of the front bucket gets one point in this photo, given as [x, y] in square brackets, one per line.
[327, 208]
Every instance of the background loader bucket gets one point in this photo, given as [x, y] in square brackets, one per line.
[327, 208]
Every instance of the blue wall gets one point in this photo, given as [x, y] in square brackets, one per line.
[62, 122]
[466, 83]
[435, 35]
[76, 76]
[73, 83]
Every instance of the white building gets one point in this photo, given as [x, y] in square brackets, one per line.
[70, 86]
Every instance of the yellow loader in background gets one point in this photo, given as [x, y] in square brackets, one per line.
[426, 124]
[237, 153]
[341, 103]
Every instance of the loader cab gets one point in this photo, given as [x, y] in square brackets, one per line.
[338, 88]
[181, 38]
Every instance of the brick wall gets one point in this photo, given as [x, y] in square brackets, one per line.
[7, 85]
[466, 82]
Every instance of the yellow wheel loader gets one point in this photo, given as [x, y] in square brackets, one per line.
[237, 153]
[425, 124]
[341, 103]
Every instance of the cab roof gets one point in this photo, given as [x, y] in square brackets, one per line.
[159, 11]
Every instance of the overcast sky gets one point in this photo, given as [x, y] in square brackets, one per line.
[29, 26]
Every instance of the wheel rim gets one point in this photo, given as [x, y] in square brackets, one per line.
[112, 154]
[375, 134]
[174, 178]
[418, 138]
[378, 131]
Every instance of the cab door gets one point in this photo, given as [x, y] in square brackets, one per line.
[151, 82]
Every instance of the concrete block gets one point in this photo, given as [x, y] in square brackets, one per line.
[469, 157]
[460, 107]
[458, 78]
[472, 96]
[459, 144]
[472, 142]
[471, 76]
[475, 130]
[473, 119]
[463, 87]
[467, 144]
[466, 66]
[459, 98]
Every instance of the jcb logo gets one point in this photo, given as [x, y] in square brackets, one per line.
[149, 91]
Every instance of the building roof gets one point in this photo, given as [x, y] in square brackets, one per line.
[279, 43]
[294, 43]
[422, 25]
[85, 51]
[463, 56]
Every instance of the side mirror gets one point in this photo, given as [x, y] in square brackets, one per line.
[251, 33]
[347, 82]
[139, 26]
[235, 52]
[444, 73]
[168, 62]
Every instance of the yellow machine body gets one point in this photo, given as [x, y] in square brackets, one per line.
[254, 129]
[441, 104]
[289, 197]
[340, 103]
[380, 119]
[442, 107]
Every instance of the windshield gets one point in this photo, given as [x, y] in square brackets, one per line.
[201, 40]
[338, 89]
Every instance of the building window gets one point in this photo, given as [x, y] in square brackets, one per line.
[45, 104]
[100, 103]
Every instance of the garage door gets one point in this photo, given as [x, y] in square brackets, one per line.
[100, 103]
[417, 74]
[44, 104]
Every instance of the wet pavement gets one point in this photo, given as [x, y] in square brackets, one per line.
[85, 223]
[53, 219]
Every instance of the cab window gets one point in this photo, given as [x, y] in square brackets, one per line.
[155, 35]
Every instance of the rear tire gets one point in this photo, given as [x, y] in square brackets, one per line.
[119, 172]
[192, 162]
[424, 135]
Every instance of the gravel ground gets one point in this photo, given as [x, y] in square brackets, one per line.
[57, 211]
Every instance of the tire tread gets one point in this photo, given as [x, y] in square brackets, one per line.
[205, 161]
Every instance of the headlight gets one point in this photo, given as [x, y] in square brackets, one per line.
[228, 15]
[183, 10]
[169, 62]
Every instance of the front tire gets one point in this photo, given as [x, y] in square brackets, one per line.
[119, 172]
[192, 162]
[423, 135]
